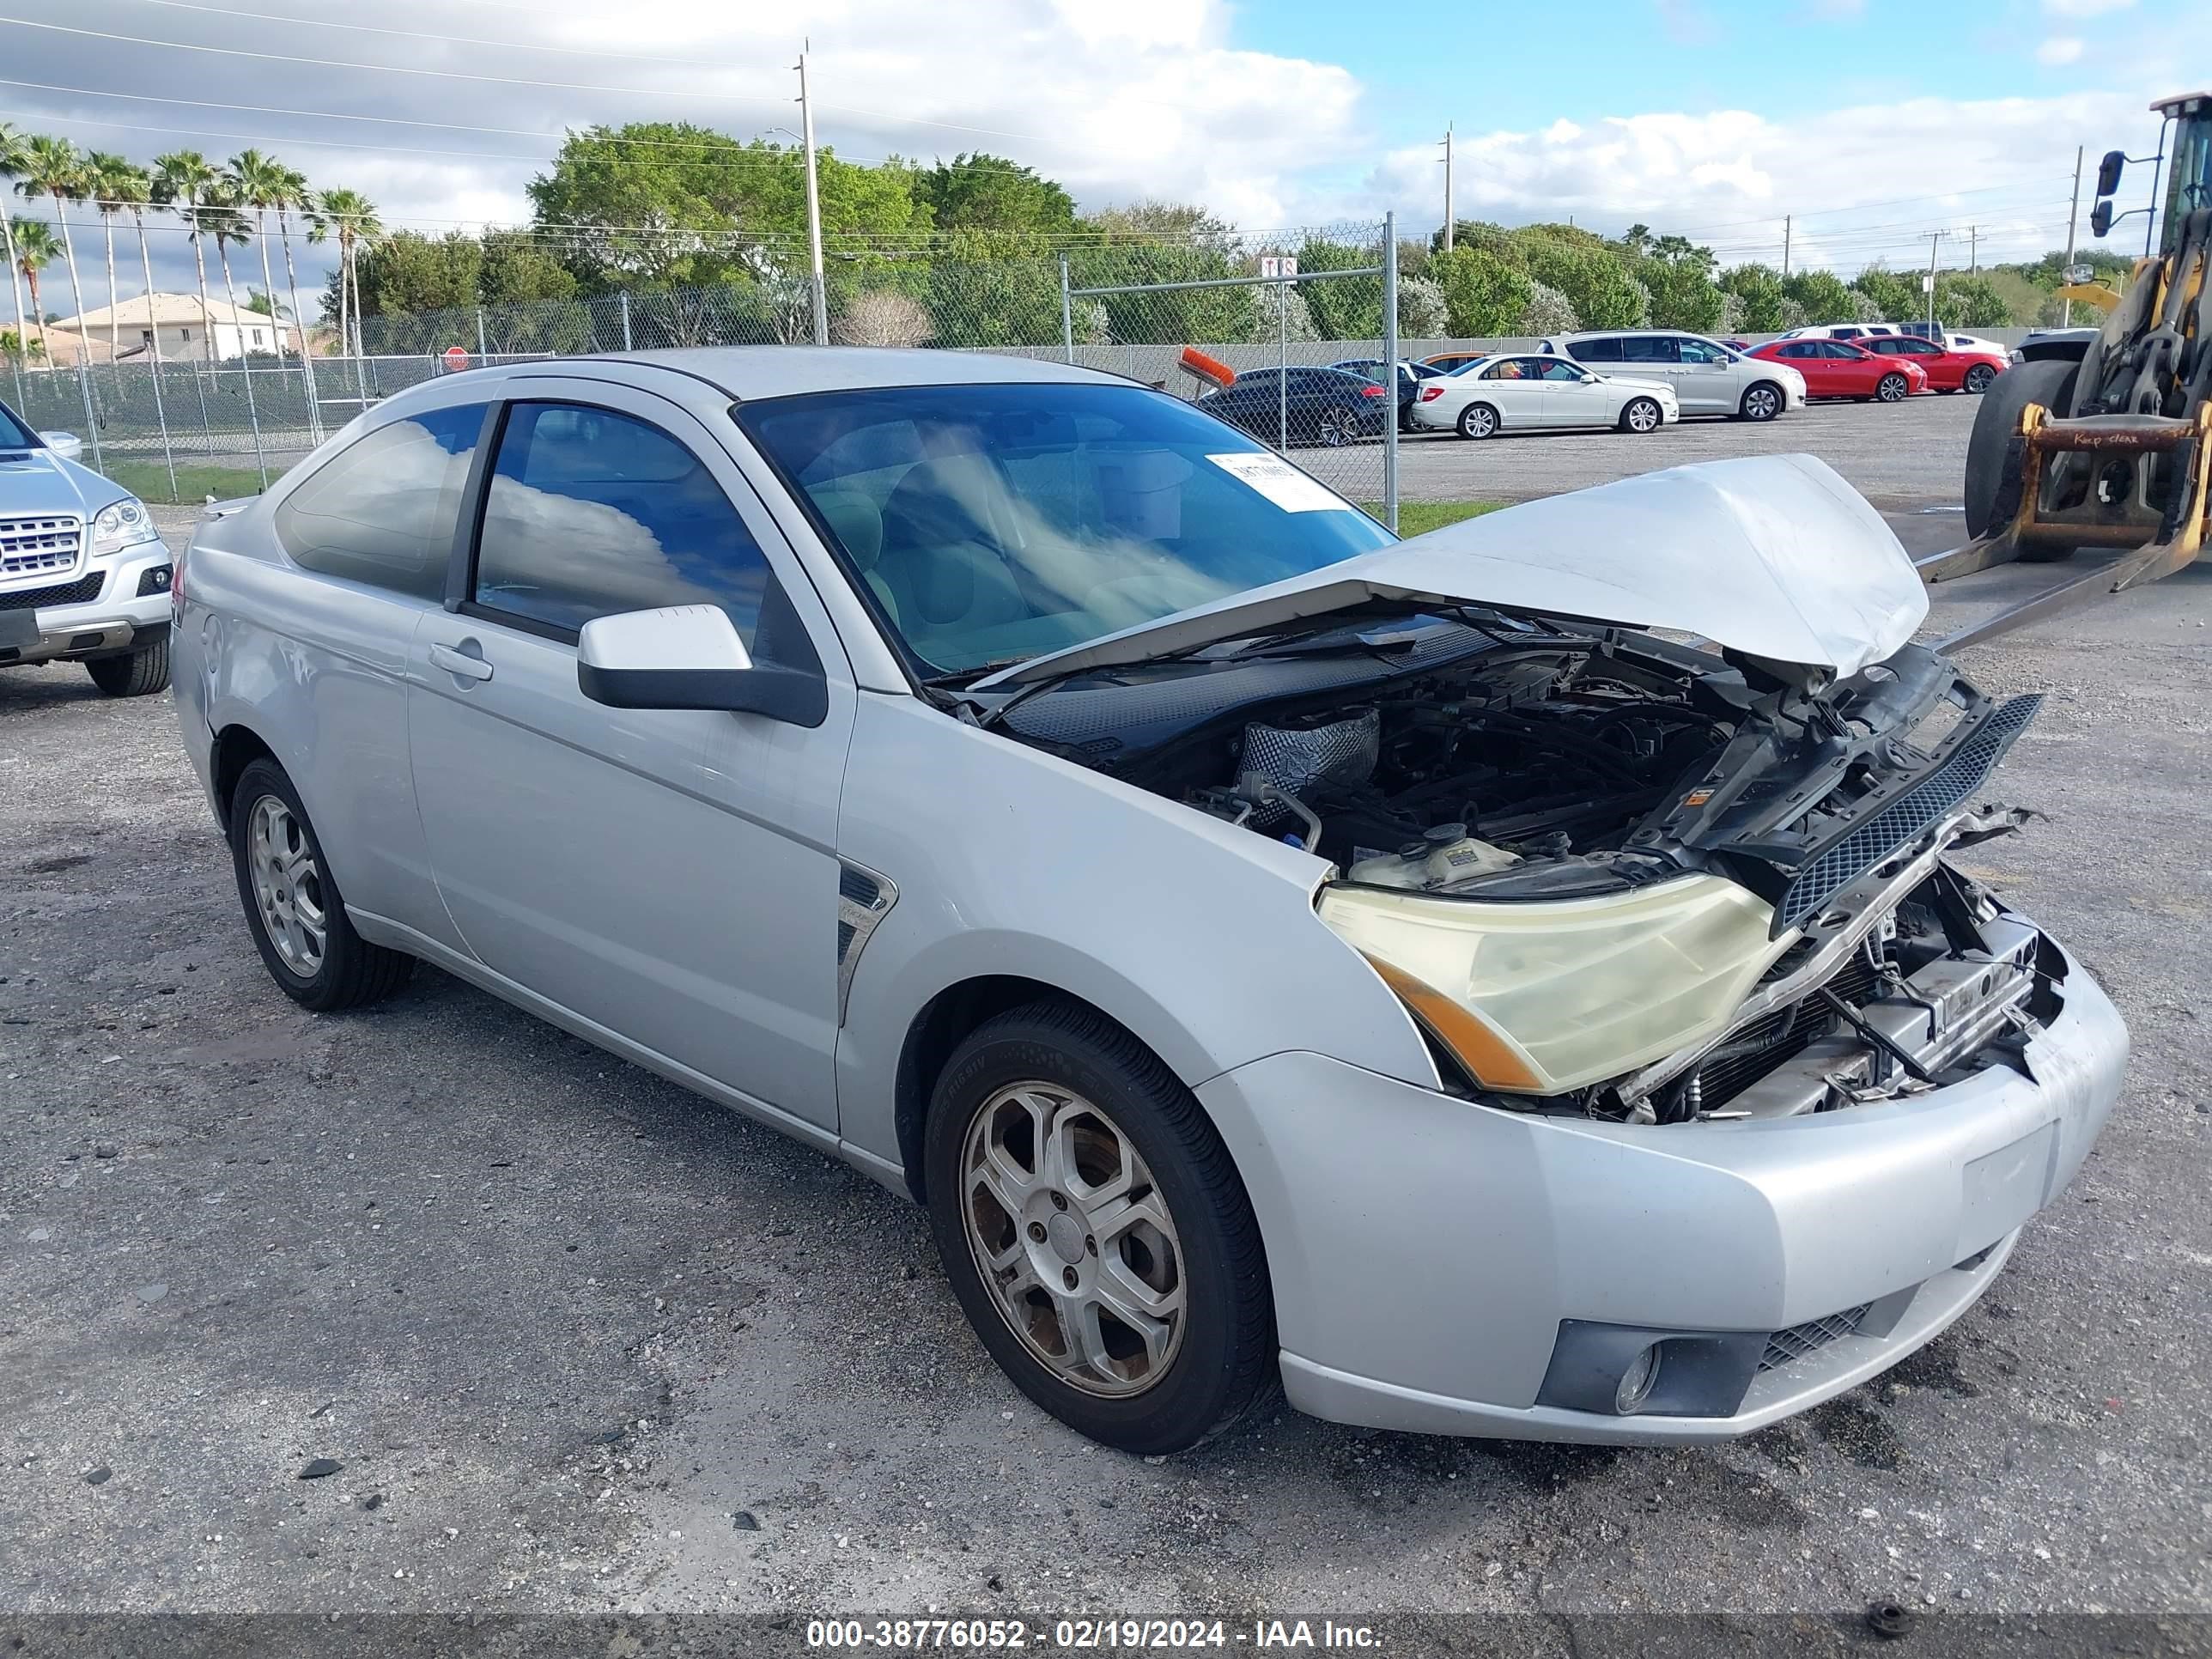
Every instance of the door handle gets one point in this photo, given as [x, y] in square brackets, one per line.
[459, 662]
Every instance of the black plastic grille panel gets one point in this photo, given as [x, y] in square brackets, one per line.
[1784, 1347]
[83, 589]
[1837, 865]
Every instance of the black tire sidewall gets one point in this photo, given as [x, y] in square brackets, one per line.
[1749, 413]
[261, 778]
[1202, 1384]
[2047, 382]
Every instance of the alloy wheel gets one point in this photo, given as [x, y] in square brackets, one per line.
[1643, 415]
[288, 886]
[1476, 421]
[1979, 378]
[1338, 427]
[1892, 389]
[1761, 404]
[1073, 1239]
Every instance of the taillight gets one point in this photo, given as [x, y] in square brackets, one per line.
[1430, 394]
[1370, 392]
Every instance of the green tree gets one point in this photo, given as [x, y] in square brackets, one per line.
[1759, 288]
[1822, 294]
[109, 181]
[1580, 265]
[1970, 302]
[1483, 295]
[182, 181]
[1349, 307]
[1683, 295]
[1900, 297]
[411, 273]
[15, 156]
[51, 168]
[981, 192]
[350, 218]
[34, 247]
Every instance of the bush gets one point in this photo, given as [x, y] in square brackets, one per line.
[1865, 308]
[1730, 320]
[882, 317]
[1548, 312]
[1595, 281]
[1682, 295]
[1421, 312]
[1820, 295]
[1792, 315]
[1759, 288]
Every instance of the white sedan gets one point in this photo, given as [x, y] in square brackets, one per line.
[1495, 394]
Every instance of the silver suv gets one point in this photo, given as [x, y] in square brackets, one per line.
[1708, 378]
[1269, 949]
[84, 576]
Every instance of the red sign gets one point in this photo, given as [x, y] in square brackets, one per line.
[457, 356]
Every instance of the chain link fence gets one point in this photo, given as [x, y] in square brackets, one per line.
[180, 430]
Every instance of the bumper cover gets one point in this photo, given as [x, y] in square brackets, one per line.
[1426, 1251]
[116, 612]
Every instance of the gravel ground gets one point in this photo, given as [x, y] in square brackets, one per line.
[578, 1341]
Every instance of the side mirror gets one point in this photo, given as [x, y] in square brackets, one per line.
[67, 444]
[2100, 216]
[1589, 379]
[689, 656]
[2108, 172]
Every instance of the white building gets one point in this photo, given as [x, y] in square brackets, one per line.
[175, 326]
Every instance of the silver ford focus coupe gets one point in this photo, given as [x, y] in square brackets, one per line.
[1270, 950]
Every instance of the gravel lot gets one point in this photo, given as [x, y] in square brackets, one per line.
[580, 1342]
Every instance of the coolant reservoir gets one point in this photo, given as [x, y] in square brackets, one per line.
[1446, 855]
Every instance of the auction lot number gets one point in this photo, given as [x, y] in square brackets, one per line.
[999, 1633]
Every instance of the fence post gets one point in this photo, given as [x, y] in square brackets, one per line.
[1283, 363]
[482, 351]
[1390, 364]
[1066, 313]
[625, 316]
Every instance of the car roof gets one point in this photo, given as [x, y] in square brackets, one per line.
[784, 371]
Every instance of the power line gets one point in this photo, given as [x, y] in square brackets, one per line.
[443, 39]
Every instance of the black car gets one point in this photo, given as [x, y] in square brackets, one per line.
[1301, 405]
[1410, 376]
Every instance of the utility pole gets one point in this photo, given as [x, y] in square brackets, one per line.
[813, 203]
[1934, 237]
[1973, 250]
[1448, 188]
[2066, 315]
[1786, 226]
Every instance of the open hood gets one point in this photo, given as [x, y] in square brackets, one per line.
[1773, 555]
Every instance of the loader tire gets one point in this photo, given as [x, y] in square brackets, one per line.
[2052, 385]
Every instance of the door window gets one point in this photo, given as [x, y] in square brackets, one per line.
[592, 512]
[1701, 351]
[1648, 348]
[1797, 349]
[1512, 369]
[383, 510]
[1557, 368]
[1595, 351]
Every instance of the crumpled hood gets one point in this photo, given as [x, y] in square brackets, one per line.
[40, 481]
[1771, 556]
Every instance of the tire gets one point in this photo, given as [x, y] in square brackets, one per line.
[1892, 389]
[1210, 1359]
[1337, 428]
[346, 971]
[2050, 383]
[1979, 378]
[1478, 421]
[1761, 402]
[142, 672]
[1642, 415]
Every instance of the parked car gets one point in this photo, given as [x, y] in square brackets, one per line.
[1947, 367]
[1839, 369]
[1843, 330]
[1516, 393]
[2047, 344]
[1294, 406]
[1708, 378]
[84, 576]
[608, 685]
[1410, 376]
[1450, 362]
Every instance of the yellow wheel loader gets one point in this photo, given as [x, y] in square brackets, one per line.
[2104, 438]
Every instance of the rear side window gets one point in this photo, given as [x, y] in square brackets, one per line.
[1702, 351]
[1650, 348]
[1594, 351]
[382, 510]
[590, 513]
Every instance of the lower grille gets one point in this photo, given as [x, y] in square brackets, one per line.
[1784, 1348]
[85, 588]
[47, 544]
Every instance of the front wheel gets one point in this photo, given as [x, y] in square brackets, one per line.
[1642, 415]
[2047, 382]
[1892, 389]
[1340, 427]
[140, 673]
[1979, 378]
[1476, 421]
[1762, 402]
[1096, 1231]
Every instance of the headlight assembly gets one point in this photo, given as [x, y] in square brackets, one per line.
[120, 525]
[1540, 998]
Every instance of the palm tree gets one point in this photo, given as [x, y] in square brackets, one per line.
[34, 248]
[128, 189]
[222, 217]
[14, 158]
[181, 179]
[107, 178]
[52, 168]
[257, 181]
[351, 217]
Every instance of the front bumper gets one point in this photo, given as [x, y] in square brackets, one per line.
[98, 613]
[1431, 1256]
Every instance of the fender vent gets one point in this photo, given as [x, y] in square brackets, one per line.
[864, 899]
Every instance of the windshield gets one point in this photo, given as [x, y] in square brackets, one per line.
[993, 523]
[14, 435]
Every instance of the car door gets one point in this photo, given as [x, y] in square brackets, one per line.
[1810, 358]
[1649, 357]
[667, 876]
[1708, 380]
[1574, 396]
[1509, 385]
[1852, 370]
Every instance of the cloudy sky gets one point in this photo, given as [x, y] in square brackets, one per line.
[1870, 122]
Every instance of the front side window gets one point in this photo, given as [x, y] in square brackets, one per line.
[14, 435]
[1509, 368]
[1702, 351]
[1648, 348]
[590, 513]
[383, 510]
[988, 524]
[1559, 369]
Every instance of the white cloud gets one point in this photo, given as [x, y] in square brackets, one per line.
[2084, 7]
[2058, 50]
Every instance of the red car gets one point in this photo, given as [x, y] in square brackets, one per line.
[1838, 368]
[1947, 369]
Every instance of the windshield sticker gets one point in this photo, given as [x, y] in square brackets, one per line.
[1280, 483]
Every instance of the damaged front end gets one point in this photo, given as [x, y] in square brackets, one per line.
[1616, 877]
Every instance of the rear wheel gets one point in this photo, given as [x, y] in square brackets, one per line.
[1761, 403]
[1892, 389]
[1979, 378]
[1642, 415]
[1476, 421]
[141, 673]
[1340, 427]
[2049, 383]
[292, 908]
[1096, 1231]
